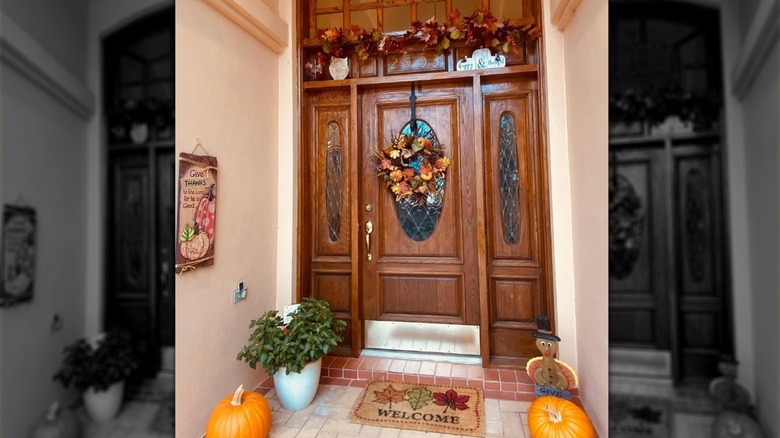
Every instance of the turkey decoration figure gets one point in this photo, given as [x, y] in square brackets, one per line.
[197, 211]
[550, 376]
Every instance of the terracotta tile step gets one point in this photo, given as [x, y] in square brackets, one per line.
[504, 384]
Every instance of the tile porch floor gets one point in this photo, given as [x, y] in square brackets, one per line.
[508, 394]
[327, 416]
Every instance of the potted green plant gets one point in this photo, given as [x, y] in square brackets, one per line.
[291, 349]
[98, 369]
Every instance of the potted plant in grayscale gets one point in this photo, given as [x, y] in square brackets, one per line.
[291, 349]
[98, 369]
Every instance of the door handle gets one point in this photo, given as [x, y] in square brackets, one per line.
[164, 279]
[369, 230]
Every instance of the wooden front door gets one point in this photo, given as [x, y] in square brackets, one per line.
[668, 258]
[139, 284]
[413, 274]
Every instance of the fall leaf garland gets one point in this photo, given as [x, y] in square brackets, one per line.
[481, 27]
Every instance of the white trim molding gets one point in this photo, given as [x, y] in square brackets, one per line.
[20, 51]
[562, 12]
[256, 19]
[759, 41]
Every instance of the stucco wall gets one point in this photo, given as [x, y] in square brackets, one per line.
[60, 27]
[760, 113]
[576, 76]
[43, 149]
[586, 58]
[227, 96]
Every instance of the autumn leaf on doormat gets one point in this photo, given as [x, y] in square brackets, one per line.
[451, 400]
[389, 395]
[419, 397]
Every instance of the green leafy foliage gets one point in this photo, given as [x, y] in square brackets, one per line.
[114, 358]
[419, 397]
[312, 333]
[187, 234]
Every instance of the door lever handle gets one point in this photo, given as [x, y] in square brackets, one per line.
[369, 230]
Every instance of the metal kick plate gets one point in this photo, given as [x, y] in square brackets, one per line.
[423, 337]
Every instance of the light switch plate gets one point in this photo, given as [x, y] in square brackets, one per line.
[239, 293]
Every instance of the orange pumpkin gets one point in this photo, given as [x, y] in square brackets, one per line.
[241, 415]
[555, 417]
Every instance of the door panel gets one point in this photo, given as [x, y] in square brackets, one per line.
[700, 248]
[327, 187]
[515, 181]
[638, 297]
[433, 280]
[130, 294]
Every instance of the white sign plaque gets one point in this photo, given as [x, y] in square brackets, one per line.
[481, 59]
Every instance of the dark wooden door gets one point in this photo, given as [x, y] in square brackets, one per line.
[639, 305]
[428, 277]
[668, 258]
[140, 293]
[701, 268]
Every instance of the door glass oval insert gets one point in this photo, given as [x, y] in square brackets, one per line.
[419, 220]
[333, 188]
[509, 179]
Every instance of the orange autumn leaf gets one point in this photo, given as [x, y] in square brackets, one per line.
[390, 395]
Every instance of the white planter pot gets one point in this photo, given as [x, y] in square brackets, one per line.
[297, 390]
[102, 406]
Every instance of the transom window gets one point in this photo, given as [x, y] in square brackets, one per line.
[397, 15]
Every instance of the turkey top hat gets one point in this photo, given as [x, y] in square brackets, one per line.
[543, 329]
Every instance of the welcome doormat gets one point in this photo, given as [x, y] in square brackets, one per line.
[432, 408]
[639, 417]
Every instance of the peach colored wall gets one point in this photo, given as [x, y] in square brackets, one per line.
[227, 96]
[576, 73]
[586, 58]
[288, 166]
[560, 190]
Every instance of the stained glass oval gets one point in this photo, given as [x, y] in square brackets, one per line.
[419, 221]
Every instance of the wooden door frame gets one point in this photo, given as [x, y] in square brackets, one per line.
[304, 242]
[533, 65]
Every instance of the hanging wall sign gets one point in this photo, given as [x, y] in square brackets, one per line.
[18, 254]
[196, 224]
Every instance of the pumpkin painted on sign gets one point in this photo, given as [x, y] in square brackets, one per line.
[245, 414]
[206, 212]
[555, 417]
[194, 242]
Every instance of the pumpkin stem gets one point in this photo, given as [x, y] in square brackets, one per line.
[53, 412]
[237, 396]
[555, 415]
